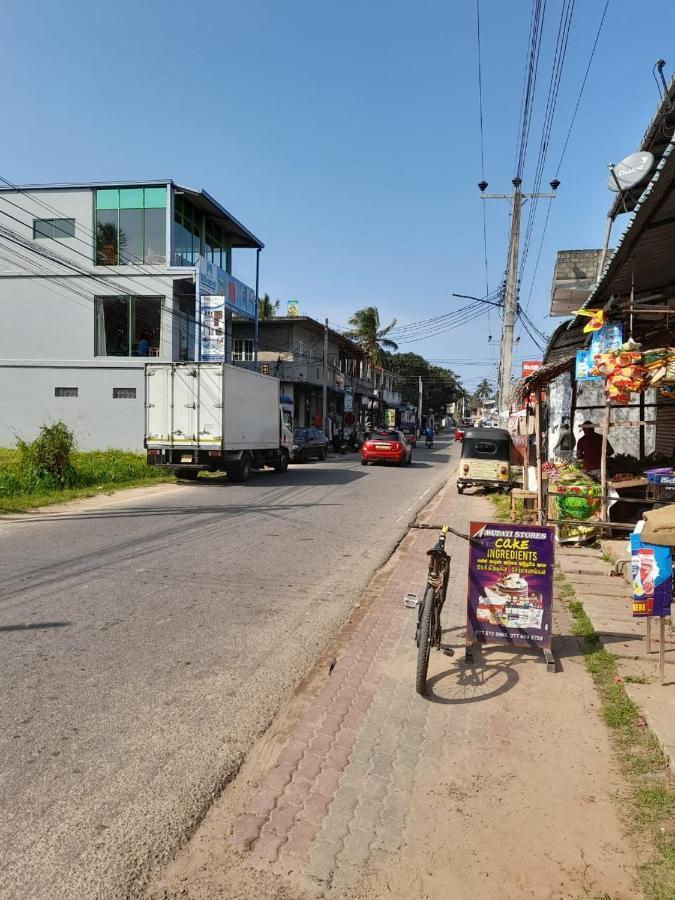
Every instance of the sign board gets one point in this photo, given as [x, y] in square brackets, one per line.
[510, 584]
[293, 308]
[349, 402]
[390, 418]
[652, 570]
[214, 281]
[529, 367]
[212, 330]
[582, 366]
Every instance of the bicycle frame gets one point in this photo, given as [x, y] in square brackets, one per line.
[437, 580]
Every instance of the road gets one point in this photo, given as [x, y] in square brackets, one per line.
[147, 640]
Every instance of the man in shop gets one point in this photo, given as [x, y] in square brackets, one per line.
[565, 443]
[589, 448]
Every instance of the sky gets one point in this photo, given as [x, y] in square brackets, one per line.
[344, 134]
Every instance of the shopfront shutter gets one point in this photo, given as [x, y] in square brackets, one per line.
[665, 429]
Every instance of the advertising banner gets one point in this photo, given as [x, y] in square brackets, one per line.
[212, 331]
[214, 281]
[609, 337]
[652, 568]
[510, 584]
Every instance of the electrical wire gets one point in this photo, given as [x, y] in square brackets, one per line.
[566, 142]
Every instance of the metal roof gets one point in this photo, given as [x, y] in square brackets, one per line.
[644, 255]
[240, 235]
[655, 140]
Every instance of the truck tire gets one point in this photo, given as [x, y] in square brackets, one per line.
[282, 464]
[242, 471]
[187, 474]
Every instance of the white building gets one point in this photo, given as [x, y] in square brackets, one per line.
[96, 278]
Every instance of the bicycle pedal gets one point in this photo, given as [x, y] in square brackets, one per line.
[447, 650]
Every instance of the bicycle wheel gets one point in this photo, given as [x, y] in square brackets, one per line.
[424, 640]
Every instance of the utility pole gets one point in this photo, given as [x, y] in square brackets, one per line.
[325, 380]
[419, 404]
[516, 199]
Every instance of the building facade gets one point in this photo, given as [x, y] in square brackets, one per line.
[291, 348]
[95, 279]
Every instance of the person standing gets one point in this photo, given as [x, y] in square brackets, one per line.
[589, 448]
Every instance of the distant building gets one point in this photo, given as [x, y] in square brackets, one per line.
[291, 349]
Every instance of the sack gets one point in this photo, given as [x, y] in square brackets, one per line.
[659, 527]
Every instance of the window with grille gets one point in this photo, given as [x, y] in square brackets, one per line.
[65, 392]
[242, 349]
[124, 393]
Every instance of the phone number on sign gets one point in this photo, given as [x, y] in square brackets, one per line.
[480, 632]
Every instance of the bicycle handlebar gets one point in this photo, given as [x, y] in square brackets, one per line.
[466, 537]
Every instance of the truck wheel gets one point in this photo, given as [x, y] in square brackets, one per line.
[282, 464]
[242, 471]
[187, 474]
[322, 455]
[460, 489]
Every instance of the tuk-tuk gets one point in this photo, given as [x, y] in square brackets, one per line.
[486, 459]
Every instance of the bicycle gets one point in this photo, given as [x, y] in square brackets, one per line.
[428, 632]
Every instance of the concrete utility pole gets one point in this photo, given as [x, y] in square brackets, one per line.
[419, 404]
[516, 199]
[325, 380]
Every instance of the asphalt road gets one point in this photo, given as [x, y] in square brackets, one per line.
[147, 639]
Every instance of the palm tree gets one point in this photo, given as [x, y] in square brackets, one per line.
[483, 391]
[366, 332]
[267, 309]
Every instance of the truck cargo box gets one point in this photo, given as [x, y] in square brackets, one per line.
[210, 405]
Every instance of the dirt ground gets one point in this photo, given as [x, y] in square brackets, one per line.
[513, 792]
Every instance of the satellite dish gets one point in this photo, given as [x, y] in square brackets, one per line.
[630, 171]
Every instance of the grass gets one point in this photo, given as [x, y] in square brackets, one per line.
[650, 807]
[94, 472]
[502, 505]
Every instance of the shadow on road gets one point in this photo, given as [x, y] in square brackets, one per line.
[135, 512]
[34, 626]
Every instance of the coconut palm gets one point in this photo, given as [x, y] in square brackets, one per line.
[266, 308]
[483, 391]
[366, 332]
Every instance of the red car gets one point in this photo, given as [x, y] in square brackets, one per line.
[386, 445]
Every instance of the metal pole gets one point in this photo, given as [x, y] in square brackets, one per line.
[257, 289]
[605, 247]
[419, 405]
[662, 649]
[649, 634]
[603, 461]
[325, 379]
[510, 306]
[537, 432]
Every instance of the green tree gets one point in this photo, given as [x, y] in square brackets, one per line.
[266, 308]
[483, 392]
[367, 333]
[440, 386]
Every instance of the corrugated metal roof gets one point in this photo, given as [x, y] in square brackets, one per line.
[644, 252]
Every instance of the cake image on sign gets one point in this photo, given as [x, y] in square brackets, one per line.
[509, 602]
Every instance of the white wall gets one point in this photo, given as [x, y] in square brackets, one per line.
[27, 401]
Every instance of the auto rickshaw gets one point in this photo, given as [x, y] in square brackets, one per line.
[485, 460]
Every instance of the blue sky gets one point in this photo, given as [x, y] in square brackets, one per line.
[345, 134]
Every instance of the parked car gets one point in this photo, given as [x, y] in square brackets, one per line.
[309, 442]
[388, 446]
[410, 432]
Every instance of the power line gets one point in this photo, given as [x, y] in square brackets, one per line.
[566, 142]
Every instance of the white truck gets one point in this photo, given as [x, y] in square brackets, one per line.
[214, 417]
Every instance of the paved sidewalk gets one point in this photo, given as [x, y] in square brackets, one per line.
[500, 783]
[608, 603]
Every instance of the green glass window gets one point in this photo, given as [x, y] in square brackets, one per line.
[130, 226]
